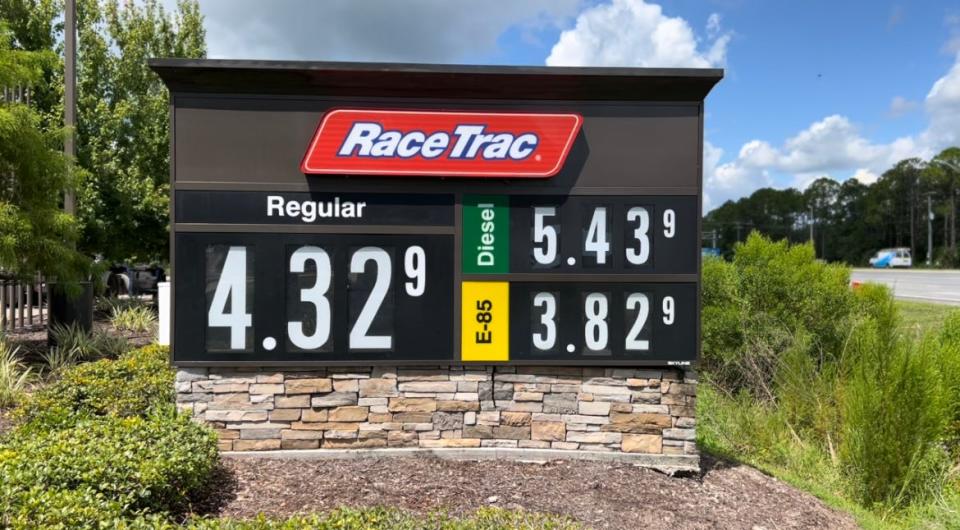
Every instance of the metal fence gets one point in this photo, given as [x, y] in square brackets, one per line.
[24, 304]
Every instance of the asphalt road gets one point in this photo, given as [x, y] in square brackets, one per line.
[941, 287]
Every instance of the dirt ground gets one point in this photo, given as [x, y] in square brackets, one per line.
[599, 495]
[33, 342]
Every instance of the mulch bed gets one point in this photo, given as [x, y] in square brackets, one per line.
[599, 495]
[5, 422]
[33, 342]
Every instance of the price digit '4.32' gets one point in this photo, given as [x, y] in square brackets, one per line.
[315, 295]
[228, 307]
[232, 286]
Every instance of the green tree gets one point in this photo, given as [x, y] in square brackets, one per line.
[122, 111]
[35, 25]
[821, 197]
[944, 177]
[35, 235]
[123, 122]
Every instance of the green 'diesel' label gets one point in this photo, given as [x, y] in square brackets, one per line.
[486, 234]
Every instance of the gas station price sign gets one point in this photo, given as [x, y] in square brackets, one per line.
[443, 230]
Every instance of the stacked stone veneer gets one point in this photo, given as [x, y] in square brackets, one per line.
[585, 409]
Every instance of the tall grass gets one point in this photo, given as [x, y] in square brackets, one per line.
[895, 414]
[138, 319]
[853, 406]
[14, 375]
[82, 345]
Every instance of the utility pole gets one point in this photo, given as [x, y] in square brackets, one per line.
[929, 229]
[70, 97]
[714, 234]
[812, 242]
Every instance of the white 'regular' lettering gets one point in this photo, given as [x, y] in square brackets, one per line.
[310, 211]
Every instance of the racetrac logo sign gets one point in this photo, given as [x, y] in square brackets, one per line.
[427, 143]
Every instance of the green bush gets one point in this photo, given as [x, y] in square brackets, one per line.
[756, 308]
[787, 285]
[139, 319]
[137, 383]
[894, 417]
[85, 345]
[29, 507]
[391, 519]
[723, 313]
[948, 363]
[152, 463]
[823, 385]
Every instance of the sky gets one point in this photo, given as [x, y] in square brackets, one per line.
[814, 88]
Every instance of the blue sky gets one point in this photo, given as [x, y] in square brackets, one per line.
[812, 88]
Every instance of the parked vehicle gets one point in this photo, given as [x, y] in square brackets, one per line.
[133, 280]
[892, 257]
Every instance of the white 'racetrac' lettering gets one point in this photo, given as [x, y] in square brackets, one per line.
[368, 139]
[310, 211]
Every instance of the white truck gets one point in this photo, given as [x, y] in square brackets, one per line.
[889, 258]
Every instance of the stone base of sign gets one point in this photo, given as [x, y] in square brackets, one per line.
[642, 415]
[667, 464]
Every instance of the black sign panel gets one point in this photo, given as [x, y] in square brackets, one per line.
[574, 241]
[625, 322]
[316, 208]
[580, 234]
[313, 297]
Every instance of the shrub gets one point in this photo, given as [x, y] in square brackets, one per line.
[723, 313]
[73, 337]
[894, 417]
[86, 345]
[757, 307]
[949, 371]
[823, 384]
[30, 507]
[137, 319]
[59, 358]
[14, 375]
[392, 519]
[106, 305]
[137, 383]
[152, 463]
[950, 334]
[786, 284]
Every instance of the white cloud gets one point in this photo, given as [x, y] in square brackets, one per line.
[727, 181]
[371, 30]
[952, 21]
[835, 146]
[713, 25]
[865, 176]
[943, 106]
[637, 33]
[832, 146]
[900, 105]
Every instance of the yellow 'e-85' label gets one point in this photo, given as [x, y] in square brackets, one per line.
[485, 321]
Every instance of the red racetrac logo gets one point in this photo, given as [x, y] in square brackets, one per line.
[429, 143]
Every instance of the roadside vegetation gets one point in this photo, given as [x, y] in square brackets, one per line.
[852, 220]
[922, 317]
[829, 388]
[101, 445]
